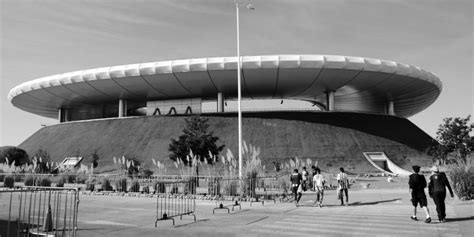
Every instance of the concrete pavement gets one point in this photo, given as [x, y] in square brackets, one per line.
[372, 212]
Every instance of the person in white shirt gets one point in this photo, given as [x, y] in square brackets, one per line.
[318, 184]
[343, 182]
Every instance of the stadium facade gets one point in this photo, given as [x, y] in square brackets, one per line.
[334, 84]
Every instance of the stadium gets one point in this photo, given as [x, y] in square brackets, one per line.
[359, 116]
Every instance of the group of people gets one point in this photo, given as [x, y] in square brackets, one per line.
[301, 182]
[436, 189]
[438, 182]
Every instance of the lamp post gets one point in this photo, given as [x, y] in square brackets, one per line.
[239, 94]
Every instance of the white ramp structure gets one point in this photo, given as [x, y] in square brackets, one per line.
[381, 162]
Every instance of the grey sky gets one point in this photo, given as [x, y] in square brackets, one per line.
[41, 38]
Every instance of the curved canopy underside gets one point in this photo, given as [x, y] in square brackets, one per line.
[360, 84]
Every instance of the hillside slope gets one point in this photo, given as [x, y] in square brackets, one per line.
[334, 139]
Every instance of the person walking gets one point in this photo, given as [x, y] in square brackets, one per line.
[296, 181]
[437, 191]
[343, 183]
[318, 184]
[417, 185]
[305, 179]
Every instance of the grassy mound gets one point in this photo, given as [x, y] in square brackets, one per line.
[334, 139]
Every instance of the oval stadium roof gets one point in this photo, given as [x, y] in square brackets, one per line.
[360, 84]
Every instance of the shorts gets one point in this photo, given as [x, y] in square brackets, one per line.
[294, 189]
[319, 189]
[421, 200]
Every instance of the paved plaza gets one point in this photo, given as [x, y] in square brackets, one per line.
[372, 212]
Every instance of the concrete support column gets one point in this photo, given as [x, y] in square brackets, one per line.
[122, 108]
[330, 100]
[390, 108]
[63, 115]
[60, 115]
[220, 102]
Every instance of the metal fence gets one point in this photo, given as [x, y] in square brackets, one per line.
[36, 211]
[175, 198]
[225, 191]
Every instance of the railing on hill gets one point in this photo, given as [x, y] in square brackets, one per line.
[37, 211]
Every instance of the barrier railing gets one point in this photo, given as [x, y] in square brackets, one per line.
[225, 192]
[175, 198]
[36, 211]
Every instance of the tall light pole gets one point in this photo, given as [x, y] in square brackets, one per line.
[239, 94]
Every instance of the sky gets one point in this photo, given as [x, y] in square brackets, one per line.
[42, 38]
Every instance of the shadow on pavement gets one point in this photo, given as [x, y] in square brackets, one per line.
[373, 203]
[239, 211]
[203, 220]
[460, 219]
[4, 227]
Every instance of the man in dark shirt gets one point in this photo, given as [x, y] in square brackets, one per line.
[296, 179]
[417, 183]
[437, 191]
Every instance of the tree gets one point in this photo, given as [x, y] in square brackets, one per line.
[453, 137]
[197, 139]
[14, 154]
[95, 159]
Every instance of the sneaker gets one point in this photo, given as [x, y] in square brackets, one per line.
[320, 205]
[347, 204]
[428, 220]
[414, 218]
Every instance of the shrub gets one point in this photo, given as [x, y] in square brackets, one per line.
[70, 178]
[190, 186]
[248, 185]
[159, 187]
[462, 180]
[214, 186]
[44, 182]
[80, 179]
[30, 181]
[230, 188]
[9, 181]
[121, 185]
[89, 185]
[106, 185]
[146, 173]
[60, 182]
[174, 188]
[135, 187]
[284, 183]
[17, 178]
